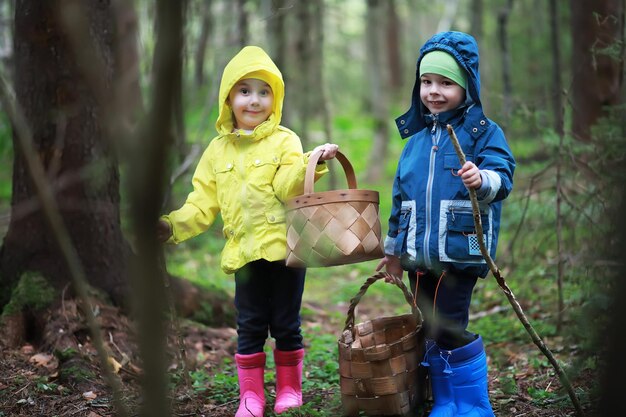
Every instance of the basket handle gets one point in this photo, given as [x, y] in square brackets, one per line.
[310, 170]
[397, 282]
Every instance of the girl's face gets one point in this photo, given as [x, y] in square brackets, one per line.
[440, 94]
[252, 102]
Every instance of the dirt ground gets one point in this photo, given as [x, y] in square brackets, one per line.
[30, 375]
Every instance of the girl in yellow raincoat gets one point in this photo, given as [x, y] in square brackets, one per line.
[247, 173]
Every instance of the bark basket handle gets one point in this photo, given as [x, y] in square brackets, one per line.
[310, 171]
[349, 325]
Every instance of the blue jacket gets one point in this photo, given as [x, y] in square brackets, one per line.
[431, 224]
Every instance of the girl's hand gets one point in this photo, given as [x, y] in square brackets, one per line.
[164, 231]
[392, 267]
[470, 174]
[329, 150]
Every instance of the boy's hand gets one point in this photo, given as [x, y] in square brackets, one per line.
[470, 174]
[392, 266]
[164, 231]
[329, 150]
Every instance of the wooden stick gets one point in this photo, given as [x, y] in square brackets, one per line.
[505, 288]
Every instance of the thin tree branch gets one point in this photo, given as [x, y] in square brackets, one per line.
[523, 219]
[507, 291]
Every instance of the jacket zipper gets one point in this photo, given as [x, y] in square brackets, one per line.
[243, 173]
[435, 134]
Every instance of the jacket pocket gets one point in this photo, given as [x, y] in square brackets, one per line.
[225, 181]
[223, 168]
[451, 161]
[262, 169]
[275, 217]
[407, 235]
[451, 165]
[461, 241]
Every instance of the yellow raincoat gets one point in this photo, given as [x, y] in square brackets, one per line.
[246, 177]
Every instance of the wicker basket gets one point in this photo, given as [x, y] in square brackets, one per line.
[379, 361]
[334, 227]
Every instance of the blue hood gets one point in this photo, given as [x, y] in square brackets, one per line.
[464, 49]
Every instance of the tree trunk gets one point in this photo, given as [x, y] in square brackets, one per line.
[206, 24]
[393, 44]
[557, 110]
[379, 90]
[503, 23]
[557, 84]
[449, 13]
[324, 99]
[243, 30]
[278, 46]
[128, 94]
[6, 33]
[62, 112]
[304, 50]
[476, 20]
[597, 61]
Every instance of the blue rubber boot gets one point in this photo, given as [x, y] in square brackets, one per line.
[469, 379]
[443, 395]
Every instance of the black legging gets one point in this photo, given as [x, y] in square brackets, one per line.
[268, 296]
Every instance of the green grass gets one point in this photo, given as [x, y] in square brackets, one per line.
[320, 380]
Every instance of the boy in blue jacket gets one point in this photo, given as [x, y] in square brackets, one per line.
[431, 228]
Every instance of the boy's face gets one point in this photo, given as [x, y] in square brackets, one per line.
[252, 102]
[440, 94]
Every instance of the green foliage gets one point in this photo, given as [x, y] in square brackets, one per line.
[540, 395]
[44, 386]
[220, 385]
[5, 136]
[77, 373]
[508, 385]
[32, 291]
[322, 364]
[66, 354]
[6, 159]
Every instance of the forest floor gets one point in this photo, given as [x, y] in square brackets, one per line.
[30, 375]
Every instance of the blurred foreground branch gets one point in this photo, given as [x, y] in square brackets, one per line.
[147, 180]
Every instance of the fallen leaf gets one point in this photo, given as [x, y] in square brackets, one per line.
[115, 365]
[43, 359]
[28, 401]
[89, 395]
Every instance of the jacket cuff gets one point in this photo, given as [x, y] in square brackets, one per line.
[490, 186]
[390, 244]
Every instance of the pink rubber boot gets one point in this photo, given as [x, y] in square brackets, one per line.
[288, 379]
[250, 369]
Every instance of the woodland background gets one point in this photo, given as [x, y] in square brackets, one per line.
[107, 105]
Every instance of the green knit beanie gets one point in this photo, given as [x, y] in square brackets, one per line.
[442, 63]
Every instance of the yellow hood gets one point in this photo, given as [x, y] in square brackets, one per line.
[252, 61]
